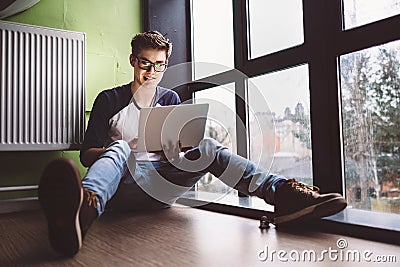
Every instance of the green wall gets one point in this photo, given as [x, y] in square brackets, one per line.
[109, 25]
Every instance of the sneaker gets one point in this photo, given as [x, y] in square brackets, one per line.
[61, 196]
[295, 201]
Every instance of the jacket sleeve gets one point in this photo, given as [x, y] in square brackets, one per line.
[96, 133]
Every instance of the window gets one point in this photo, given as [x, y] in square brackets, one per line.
[283, 146]
[220, 126]
[361, 12]
[274, 26]
[293, 132]
[370, 87]
[305, 73]
[212, 37]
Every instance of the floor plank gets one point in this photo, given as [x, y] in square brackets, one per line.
[179, 236]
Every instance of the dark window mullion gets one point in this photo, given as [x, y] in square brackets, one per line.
[368, 35]
[240, 33]
[277, 61]
[225, 77]
[322, 23]
[242, 134]
[241, 48]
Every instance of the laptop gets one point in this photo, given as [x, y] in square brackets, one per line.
[164, 124]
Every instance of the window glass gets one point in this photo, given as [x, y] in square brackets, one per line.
[370, 96]
[274, 26]
[221, 126]
[361, 12]
[286, 94]
[212, 37]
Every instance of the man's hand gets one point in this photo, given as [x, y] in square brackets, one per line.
[133, 143]
[91, 155]
[171, 150]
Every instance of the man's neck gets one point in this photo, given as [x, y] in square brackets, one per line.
[144, 96]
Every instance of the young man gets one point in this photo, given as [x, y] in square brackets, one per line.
[121, 179]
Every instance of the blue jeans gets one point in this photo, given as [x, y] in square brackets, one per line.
[121, 182]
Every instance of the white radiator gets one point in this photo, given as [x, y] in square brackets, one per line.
[42, 88]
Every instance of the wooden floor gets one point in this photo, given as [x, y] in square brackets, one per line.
[178, 236]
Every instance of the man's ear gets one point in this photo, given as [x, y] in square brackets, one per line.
[132, 60]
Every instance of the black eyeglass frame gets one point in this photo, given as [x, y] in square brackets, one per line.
[151, 65]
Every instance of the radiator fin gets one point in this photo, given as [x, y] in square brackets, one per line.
[42, 88]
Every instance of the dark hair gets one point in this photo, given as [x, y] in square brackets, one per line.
[150, 39]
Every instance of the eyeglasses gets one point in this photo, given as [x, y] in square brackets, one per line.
[146, 65]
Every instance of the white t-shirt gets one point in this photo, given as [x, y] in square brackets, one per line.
[125, 126]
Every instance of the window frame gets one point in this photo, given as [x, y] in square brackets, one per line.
[324, 41]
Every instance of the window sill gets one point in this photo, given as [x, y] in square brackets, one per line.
[377, 226]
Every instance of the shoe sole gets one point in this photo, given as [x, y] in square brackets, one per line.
[317, 211]
[61, 195]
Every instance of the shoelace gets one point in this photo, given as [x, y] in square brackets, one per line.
[91, 198]
[302, 188]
